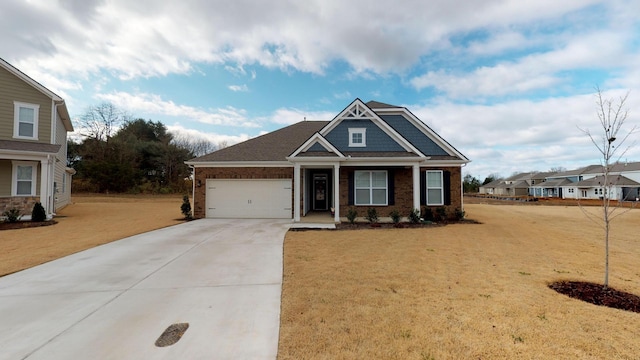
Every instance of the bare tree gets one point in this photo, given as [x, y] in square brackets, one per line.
[197, 146]
[610, 142]
[557, 169]
[101, 121]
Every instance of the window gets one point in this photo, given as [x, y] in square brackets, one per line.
[24, 178]
[357, 137]
[571, 190]
[25, 120]
[370, 187]
[435, 188]
[584, 193]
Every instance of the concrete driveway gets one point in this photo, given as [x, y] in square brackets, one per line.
[223, 277]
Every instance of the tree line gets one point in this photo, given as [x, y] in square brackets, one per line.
[120, 153]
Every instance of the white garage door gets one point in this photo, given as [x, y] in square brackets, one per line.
[249, 199]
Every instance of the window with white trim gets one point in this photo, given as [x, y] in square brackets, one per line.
[371, 187]
[25, 120]
[435, 188]
[24, 178]
[357, 137]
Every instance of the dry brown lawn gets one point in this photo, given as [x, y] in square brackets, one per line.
[460, 291]
[90, 221]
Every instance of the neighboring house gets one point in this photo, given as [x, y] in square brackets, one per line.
[370, 155]
[34, 123]
[621, 188]
[490, 187]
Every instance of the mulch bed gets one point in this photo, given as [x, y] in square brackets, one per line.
[596, 294]
[366, 225]
[25, 224]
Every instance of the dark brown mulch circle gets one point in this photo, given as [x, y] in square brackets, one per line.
[172, 334]
[25, 224]
[596, 294]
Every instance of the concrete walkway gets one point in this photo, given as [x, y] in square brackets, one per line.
[223, 277]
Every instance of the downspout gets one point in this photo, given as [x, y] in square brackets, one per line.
[462, 188]
[193, 188]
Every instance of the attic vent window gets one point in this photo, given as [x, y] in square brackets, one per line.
[357, 137]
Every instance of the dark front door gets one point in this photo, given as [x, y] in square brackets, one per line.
[320, 194]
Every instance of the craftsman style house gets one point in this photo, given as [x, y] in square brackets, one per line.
[371, 155]
[33, 144]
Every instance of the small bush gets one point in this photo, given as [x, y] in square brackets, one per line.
[372, 215]
[38, 213]
[352, 214]
[427, 214]
[185, 208]
[12, 215]
[395, 216]
[441, 214]
[459, 214]
[414, 216]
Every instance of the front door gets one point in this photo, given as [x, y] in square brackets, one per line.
[320, 201]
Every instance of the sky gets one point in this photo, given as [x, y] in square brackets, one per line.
[509, 83]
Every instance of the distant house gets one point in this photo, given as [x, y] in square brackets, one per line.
[34, 123]
[620, 188]
[371, 155]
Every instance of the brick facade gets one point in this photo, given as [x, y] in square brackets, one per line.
[455, 180]
[202, 174]
[403, 187]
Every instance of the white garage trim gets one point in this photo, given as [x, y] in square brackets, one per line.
[248, 199]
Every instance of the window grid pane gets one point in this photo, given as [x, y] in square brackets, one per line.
[370, 187]
[25, 173]
[26, 115]
[23, 188]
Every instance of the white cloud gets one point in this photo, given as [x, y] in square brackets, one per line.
[214, 138]
[154, 104]
[239, 88]
[146, 38]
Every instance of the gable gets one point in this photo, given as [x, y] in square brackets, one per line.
[376, 139]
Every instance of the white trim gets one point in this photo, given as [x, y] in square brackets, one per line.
[434, 187]
[371, 187]
[416, 186]
[296, 193]
[316, 139]
[362, 132]
[14, 177]
[336, 193]
[17, 105]
[199, 164]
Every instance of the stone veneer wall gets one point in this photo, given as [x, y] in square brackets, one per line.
[23, 203]
[202, 174]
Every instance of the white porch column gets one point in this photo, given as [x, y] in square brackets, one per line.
[45, 186]
[336, 192]
[296, 192]
[416, 187]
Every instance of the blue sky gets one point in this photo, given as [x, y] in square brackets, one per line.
[509, 83]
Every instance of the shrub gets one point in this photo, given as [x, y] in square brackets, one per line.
[12, 215]
[459, 214]
[185, 208]
[372, 215]
[38, 213]
[441, 213]
[352, 214]
[427, 214]
[414, 216]
[395, 216]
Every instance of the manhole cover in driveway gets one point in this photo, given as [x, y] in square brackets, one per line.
[172, 334]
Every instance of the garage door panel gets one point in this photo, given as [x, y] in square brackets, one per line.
[260, 198]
